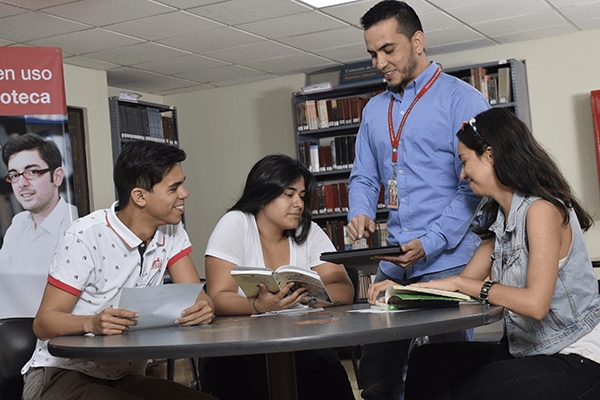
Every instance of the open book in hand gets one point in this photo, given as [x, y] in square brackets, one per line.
[248, 279]
[398, 297]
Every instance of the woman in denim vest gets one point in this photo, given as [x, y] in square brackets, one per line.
[533, 247]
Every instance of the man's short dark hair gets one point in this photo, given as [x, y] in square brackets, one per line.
[48, 150]
[143, 164]
[408, 20]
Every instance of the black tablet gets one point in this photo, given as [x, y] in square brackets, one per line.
[361, 257]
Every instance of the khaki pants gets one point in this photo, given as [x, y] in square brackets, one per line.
[61, 384]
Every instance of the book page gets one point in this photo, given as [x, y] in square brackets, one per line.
[307, 279]
[399, 289]
[248, 279]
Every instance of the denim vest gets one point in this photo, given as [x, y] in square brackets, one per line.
[575, 307]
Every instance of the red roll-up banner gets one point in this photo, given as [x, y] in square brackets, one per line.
[31, 81]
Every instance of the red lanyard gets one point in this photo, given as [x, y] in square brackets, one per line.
[395, 139]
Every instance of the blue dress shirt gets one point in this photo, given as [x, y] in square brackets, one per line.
[434, 204]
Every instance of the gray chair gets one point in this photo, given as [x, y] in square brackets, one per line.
[17, 343]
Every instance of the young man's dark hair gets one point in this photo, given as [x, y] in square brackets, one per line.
[408, 20]
[143, 164]
[48, 150]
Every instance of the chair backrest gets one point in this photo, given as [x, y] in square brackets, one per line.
[353, 275]
[17, 343]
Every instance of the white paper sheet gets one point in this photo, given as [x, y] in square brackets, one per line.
[159, 306]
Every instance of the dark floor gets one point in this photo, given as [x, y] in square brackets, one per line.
[183, 373]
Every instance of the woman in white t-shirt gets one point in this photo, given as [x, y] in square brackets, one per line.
[270, 226]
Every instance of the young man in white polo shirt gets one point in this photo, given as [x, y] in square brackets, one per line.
[35, 173]
[129, 245]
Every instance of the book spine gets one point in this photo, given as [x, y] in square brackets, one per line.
[322, 114]
[314, 158]
[504, 92]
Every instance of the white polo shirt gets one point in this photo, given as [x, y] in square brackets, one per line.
[98, 256]
[25, 258]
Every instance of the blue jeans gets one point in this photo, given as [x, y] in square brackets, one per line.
[383, 365]
[479, 370]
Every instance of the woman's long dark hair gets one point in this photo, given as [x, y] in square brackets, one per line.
[520, 163]
[268, 179]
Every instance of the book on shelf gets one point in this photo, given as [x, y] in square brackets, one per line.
[364, 281]
[327, 113]
[492, 88]
[332, 197]
[398, 297]
[381, 199]
[301, 117]
[332, 112]
[344, 200]
[248, 279]
[154, 123]
[311, 115]
[338, 154]
[504, 85]
[320, 207]
[322, 114]
[314, 158]
[336, 230]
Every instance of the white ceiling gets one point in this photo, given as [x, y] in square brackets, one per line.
[174, 46]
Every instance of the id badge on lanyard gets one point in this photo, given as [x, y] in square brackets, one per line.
[393, 189]
[395, 140]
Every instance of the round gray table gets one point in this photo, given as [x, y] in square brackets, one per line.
[278, 336]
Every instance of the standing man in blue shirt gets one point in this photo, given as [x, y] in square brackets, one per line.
[407, 141]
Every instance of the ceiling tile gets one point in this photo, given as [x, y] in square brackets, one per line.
[211, 43]
[352, 12]
[292, 25]
[7, 9]
[244, 80]
[37, 4]
[179, 65]
[156, 83]
[464, 46]
[579, 14]
[38, 26]
[458, 34]
[164, 26]
[535, 33]
[242, 11]
[187, 4]
[289, 64]
[216, 39]
[193, 88]
[136, 54]
[255, 51]
[89, 63]
[87, 41]
[568, 3]
[346, 54]
[438, 20]
[220, 74]
[524, 23]
[324, 40]
[105, 12]
[491, 10]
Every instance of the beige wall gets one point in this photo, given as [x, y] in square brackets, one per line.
[87, 89]
[226, 130]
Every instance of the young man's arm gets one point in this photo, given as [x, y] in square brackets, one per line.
[184, 271]
[54, 317]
